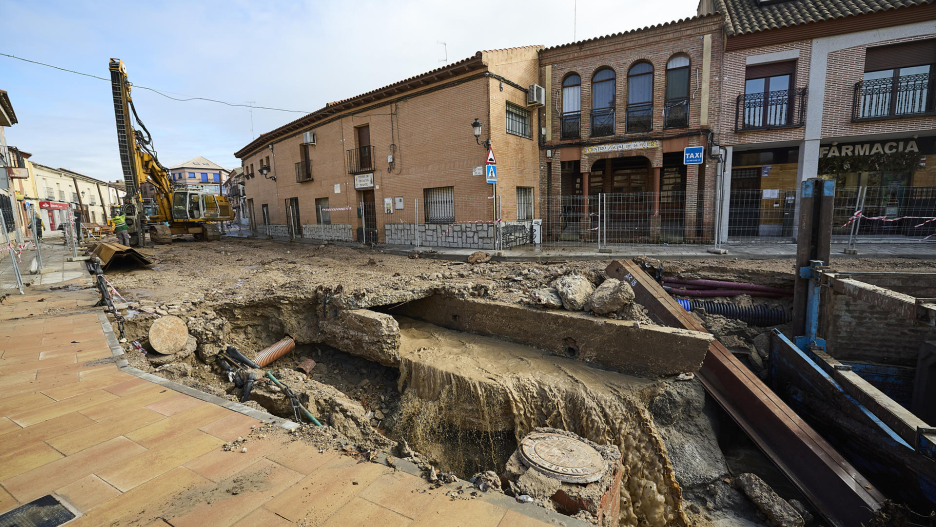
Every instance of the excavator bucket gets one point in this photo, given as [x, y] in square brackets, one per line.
[115, 252]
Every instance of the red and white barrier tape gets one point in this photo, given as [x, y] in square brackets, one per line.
[858, 214]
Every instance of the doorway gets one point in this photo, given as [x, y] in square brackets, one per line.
[251, 221]
[292, 218]
[744, 202]
[368, 213]
[364, 151]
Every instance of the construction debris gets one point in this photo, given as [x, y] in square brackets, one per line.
[112, 253]
[168, 335]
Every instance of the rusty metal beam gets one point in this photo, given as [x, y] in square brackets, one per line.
[922, 310]
[838, 491]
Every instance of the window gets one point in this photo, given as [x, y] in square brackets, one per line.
[640, 98]
[217, 178]
[322, 214]
[898, 81]
[265, 210]
[768, 95]
[602, 115]
[439, 204]
[518, 121]
[524, 203]
[204, 177]
[571, 107]
[676, 108]
[191, 175]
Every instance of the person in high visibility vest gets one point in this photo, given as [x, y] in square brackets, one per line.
[120, 229]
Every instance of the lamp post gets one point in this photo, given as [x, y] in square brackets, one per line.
[476, 128]
[264, 170]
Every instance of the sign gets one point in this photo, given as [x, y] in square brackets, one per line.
[620, 147]
[771, 193]
[364, 181]
[491, 174]
[693, 155]
[920, 145]
[52, 205]
[477, 171]
[491, 160]
[765, 170]
[388, 205]
[337, 188]
[398, 203]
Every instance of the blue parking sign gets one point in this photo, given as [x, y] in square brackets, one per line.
[492, 173]
[693, 155]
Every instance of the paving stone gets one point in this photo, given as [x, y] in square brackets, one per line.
[401, 493]
[158, 460]
[470, 513]
[362, 512]
[115, 426]
[87, 493]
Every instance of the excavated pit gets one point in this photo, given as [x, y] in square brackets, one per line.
[461, 396]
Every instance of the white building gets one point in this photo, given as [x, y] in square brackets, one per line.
[59, 187]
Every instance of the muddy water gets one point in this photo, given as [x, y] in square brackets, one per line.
[468, 399]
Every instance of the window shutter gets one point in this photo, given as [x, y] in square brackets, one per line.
[769, 70]
[901, 55]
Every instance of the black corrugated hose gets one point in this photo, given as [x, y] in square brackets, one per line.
[759, 315]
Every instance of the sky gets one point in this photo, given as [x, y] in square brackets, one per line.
[294, 55]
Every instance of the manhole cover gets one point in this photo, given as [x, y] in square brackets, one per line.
[562, 457]
[43, 512]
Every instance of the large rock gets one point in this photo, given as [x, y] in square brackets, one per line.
[611, 296]
[547, 298]
[779, 513]
[574, 290]
[168, 335]
[365, 333]
[479, 257]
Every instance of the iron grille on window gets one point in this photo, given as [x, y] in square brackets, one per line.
[639, 118]
[775, 109]
[882, 98]
[676, 113]
[602, 122]
[439, 204]
[518, 121]
[361, 160]
[7, 207]
[524, 203]
[571, 125]
[304, 171]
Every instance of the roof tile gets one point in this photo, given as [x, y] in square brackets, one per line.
[746, 16]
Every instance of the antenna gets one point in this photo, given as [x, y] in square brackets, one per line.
[444, 47]
[252, 137]
[574, 18]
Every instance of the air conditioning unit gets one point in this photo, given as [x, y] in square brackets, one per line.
[308, 138]
[536, 95]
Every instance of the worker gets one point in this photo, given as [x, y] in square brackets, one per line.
[120, 229]
[40, 226]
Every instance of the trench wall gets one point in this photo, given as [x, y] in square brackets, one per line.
[622, 346]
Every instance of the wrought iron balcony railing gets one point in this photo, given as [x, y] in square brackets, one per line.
[639, 118]
[908, 96]
[602, 122]
[676, 113]
[767, 110]
[571, 127]
[304, 171]
[361, 160]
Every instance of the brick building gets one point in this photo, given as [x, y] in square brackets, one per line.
[376, 164]
[842, 90]
[619, 112]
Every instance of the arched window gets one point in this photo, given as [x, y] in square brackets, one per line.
[602, 115]
[640, 98]
[571, 106]
[676, 108]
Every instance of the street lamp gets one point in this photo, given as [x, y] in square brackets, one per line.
[264, 170]
[476, 128]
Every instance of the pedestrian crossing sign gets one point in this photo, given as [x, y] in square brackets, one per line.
[492, 174]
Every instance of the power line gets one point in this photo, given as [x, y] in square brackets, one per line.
[155, 90]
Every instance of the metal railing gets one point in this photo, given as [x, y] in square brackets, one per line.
[639, 118]
[602, 122]
[571, 125]
[910, 95]
[884, 213]
[676, 113]
[767, 110]
[304, 171]
[361, 159]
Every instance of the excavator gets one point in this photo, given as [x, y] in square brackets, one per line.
[176, 209]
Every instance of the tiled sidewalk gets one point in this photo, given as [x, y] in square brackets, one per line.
[126, 451]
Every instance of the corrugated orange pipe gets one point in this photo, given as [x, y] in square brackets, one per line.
[275, 351]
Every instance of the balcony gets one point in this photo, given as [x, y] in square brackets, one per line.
[909, 96]
[639, 118]
[676, 113]
[571, 125]
[304, 171]
[361, 160]
[770, 110]
[602, 122]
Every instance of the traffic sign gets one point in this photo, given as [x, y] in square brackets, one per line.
[492, 173]
[693, 155]
[491, 160]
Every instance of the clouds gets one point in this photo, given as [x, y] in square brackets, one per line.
[294, 55]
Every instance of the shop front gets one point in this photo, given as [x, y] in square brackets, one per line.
[55, 214]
